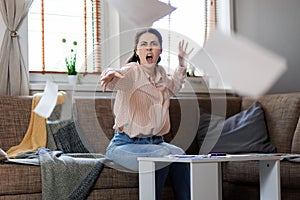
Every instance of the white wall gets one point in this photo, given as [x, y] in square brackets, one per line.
[110, 41]
[274, 24]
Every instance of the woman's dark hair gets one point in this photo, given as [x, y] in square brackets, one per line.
[135, 57]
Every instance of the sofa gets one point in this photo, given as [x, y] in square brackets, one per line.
[240, 179]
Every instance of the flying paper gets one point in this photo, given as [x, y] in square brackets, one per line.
[48, 100]
[139, 13]
[250, 69]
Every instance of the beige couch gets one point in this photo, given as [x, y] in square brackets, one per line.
[240, 179]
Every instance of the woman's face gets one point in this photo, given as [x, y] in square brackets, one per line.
[148, 49]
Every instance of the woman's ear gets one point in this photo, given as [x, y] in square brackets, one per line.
[135, 54]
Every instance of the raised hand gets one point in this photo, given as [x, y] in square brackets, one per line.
[183, 54]
[108, 77]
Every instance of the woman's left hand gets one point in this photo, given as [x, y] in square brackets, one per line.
[183, 54]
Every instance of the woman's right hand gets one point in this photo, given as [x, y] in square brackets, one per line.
[108, 77]
[183, 54]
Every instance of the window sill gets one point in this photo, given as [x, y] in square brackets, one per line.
[89, 86]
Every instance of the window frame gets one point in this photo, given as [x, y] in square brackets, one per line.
[109, 16]
[95, 38]
[37, 79]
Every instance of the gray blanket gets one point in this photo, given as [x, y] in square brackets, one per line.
[66, 176]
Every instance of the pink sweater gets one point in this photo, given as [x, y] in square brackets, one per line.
[141, 107]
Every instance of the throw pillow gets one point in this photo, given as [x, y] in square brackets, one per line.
[245, 132]
[52, 126]
[70, 138]
[65, 135]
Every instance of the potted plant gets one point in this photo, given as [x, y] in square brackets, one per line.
[70, 61]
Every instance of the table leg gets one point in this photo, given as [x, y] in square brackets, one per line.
[146, 180]
[206, 181]
[269, 171]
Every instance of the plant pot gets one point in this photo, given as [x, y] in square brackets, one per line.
[72, 79]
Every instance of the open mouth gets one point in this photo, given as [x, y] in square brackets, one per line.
[149, 58]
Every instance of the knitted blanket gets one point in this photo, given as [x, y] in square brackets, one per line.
[68, 177]
[64, 176]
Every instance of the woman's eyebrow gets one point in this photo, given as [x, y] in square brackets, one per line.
[151, 42]
[142, 42]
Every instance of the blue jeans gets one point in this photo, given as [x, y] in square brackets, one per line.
[124, 151]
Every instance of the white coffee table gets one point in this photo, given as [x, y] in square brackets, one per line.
[206, 175]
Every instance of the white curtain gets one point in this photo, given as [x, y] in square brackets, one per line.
[211, 17]
[14, 75]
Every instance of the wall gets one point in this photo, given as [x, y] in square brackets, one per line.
[110, 42]
[275, 25]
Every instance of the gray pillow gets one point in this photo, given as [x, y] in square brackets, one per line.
[245, 132]
[70, 138]
[53, 125]
[65, 135]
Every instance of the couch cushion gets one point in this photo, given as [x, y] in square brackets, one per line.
[70, 138]
[14, 119]
[96, 121]
[247, 172]
[26, 179]
[115, 178]
[3, 155]
[219, 105]
[114, 194]
[282, 113]
[66, 134]
[245, 132]
[17, 179]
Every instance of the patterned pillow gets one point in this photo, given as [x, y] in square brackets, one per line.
[65, 135]
[70, 138]
[53, 125]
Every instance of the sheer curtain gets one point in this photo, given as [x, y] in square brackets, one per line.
[14, 77]
[211, 17]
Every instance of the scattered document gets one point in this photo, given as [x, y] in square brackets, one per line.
[139, 13]
[248, 68]
[187, 156]
[48, 100]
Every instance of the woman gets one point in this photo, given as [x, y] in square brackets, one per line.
[142, 110]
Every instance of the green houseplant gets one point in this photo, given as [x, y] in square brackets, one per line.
[70, 60]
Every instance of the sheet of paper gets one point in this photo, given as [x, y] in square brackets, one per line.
[187, 156]
[250, 69]
[48, 100]
[141, 13]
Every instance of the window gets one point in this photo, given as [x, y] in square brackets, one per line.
[194, 19]
[49, 21]
[188, 20]
[189, 17]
